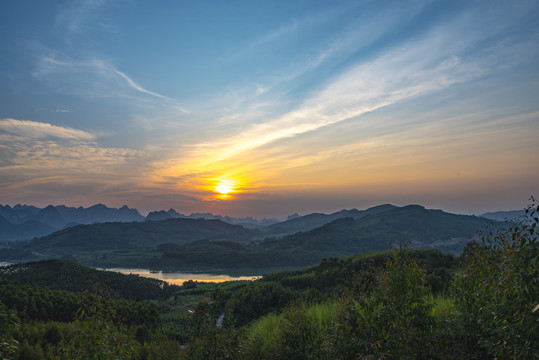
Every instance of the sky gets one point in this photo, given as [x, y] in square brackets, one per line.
[268, 108]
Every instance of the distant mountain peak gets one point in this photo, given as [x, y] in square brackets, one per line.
[504, 215]
[174, 213]
[98, 206]
[345, 211]
[383, 206]
[160, 215]
[50, 216]
[293, 216]
[414, 207]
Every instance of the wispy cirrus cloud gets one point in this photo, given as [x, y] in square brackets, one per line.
[38, 130]
[136, 86]
[391, 78]
[333, 48]
[90, 74]
[414, 68]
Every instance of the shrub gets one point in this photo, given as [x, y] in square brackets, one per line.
[300, 335]
[496, 291]
[387, 314]
[97, 334]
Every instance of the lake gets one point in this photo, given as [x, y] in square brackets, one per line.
[178, 278]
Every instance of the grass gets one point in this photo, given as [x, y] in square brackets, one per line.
[442, 306]
[262, 332]
[323, 314]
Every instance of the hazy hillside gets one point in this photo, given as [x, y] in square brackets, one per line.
[162, 215]
[504, 215]
[98, 213]
[61, 215]
[25, 222]
[248, 222]
[25, 230]
[18, 213]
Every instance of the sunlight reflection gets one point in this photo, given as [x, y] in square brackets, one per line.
[178, 278]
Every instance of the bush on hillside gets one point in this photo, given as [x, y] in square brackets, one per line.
[387, 314]
[497, 291]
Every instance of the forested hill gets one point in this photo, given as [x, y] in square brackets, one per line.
[312, 221]
[412, 224]
[107, 236]
[70, 276]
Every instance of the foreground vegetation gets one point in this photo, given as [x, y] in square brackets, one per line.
[402, 304]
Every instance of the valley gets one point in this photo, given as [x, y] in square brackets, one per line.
[53, 307]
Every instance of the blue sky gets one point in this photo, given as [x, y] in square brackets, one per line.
[292, 106]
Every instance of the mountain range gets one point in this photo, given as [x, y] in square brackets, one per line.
[24, 222]
[381, 227]
[180, 243]
[314, 220]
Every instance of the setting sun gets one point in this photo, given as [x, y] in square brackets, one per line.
[224, 188]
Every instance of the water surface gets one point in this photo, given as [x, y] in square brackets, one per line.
[178, 278]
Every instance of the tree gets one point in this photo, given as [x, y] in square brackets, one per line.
[8, 345]
[97, 334]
